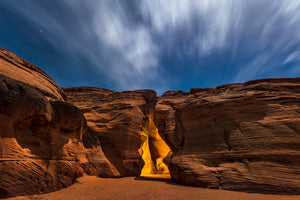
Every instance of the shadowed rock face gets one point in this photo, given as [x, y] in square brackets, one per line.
[238, 137]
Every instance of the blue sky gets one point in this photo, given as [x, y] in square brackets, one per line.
[155, 44]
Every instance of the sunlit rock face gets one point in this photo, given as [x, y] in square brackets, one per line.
[38, 148]
[238, 137]
[154, 151]
[18, 69]
[42, 138]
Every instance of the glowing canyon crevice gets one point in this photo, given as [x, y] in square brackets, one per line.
[154, 151]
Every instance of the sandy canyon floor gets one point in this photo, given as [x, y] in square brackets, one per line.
[91, 187]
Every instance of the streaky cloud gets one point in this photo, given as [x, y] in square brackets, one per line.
[169, 44]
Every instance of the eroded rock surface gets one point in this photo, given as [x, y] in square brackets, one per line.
[41, 146]
[35, 155]
[238, 136]
[114, 118]
[18, 69]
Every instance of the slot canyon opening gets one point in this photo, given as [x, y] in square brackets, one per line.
[154, 151]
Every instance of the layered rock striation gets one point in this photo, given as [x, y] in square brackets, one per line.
[41, 145]
[242, 137]
[19, 69]
[36, 146]
[238, 137]
[114, 119]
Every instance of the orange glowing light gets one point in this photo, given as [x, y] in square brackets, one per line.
[153, 150]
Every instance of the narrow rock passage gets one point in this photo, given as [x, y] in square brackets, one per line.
[154, 151]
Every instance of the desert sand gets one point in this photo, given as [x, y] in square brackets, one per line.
[92, 187]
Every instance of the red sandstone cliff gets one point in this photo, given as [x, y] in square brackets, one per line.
[114, 118]
[18, 69]
[41, 148]
[239, 136]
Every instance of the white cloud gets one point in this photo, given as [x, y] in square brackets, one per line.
[136, 53]
[275, 33]
[216, 17]
[102, 34]
[292, 57]
[130, 52]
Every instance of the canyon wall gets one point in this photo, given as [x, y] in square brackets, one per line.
[123, 124]
[242, 137]
[41, 136]
[238, 137]
[114, 119]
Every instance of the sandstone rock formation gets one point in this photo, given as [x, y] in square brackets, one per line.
[41, 148]
[120, 121]
[238, 136]
[21, 70]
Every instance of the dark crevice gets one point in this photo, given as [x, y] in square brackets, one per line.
[225, 134]
[90, 140]
[226, 138]
[179, 123]
[219, 177]
[149, 106]
[292, 128]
